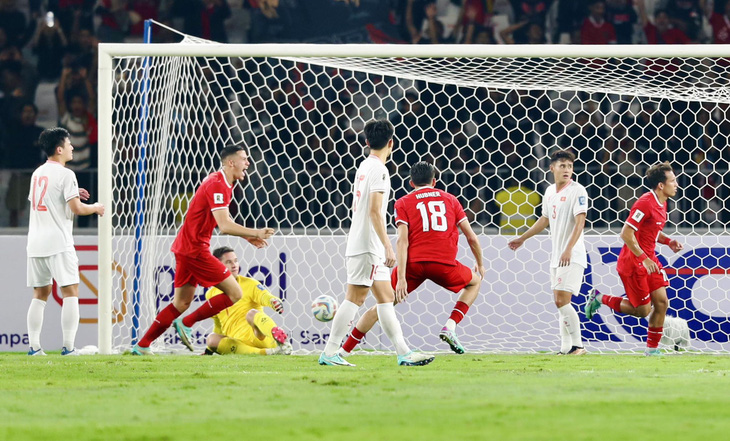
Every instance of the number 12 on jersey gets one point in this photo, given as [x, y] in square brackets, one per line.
[434, 217]
[39, 181]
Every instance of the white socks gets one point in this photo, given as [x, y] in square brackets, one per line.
[450, 325]
[391, 326]
[69, 321]
[340, 326]
[569, 320]
[35, 322]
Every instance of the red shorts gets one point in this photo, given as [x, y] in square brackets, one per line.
[639, 284]
[203, 269]
[452, 277]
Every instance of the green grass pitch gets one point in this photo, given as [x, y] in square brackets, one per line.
[467, 397]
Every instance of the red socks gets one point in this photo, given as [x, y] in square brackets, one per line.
[459, 312]
[613, 302]
[163, 321]
[208, 309]
[653, 337]
[353, 340]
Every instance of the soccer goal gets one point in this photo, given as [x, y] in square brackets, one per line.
[486, 116]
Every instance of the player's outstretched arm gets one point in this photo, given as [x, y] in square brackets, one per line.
[629, 238]
[536, 228]
[80, 209]
[376, 201]
[401, 287]
[580, 222]
[476, 247]
[257, 237]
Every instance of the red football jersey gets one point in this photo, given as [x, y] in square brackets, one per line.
[647, 217]
[432, 216]
[214, 193]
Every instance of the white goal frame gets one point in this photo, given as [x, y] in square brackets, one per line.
[105, 101]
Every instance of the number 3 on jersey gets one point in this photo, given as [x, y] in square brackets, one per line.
[437, 219]
[39, 181]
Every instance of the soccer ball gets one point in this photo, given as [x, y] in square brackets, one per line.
[324, 308]
[676, 333]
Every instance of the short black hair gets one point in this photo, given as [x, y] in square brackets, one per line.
[378, 133]
[657, 174]
[219, 252]
[562, 154]
[51, 138]
[422, 173]
[230, 150]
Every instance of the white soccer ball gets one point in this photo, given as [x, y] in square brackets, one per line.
[324, 308]
[676, 333]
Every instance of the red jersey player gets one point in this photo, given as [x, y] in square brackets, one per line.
[641, 272]
[195, 265]
[428, 221]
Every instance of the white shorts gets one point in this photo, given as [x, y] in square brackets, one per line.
[61, 267]
[567, 278]
[365, 268]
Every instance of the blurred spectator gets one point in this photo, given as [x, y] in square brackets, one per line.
[623, 17]
[721, 25]
[116, 20]
[533, 11]
[21, 152]
[73, 14]
[434, 28]
[13, 21]
[18, 82]
[204, 18]
[570, 15]
[75, 111]
[687, 16]
[49, 44]
[595, 29]
[524, 32]
[661, 31]
[145, 9]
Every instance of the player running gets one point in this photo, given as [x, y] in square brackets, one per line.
[55, 197]
[564, 208]
[369, 252]
[194, 263]
[641, 272]
[428, 221]
[244, 328]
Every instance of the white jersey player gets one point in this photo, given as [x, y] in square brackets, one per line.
[564, 209]
[54, 199]
[369, 253]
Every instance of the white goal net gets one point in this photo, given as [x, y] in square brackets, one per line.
[487, 117]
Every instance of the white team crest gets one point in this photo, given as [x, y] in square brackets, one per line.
[581, 200]
[218, 198]
[638, 215]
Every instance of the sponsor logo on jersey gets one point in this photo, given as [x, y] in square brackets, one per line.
[638, 215]
[581, 200]
[218, 198]
[261, 287]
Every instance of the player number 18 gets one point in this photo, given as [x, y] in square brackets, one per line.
[437, 219]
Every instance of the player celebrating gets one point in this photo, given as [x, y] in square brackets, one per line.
[428, 221]
[369, 252]
[641, 272]
[55, 198]
[244, 328]
[564, 208]
[194, 263]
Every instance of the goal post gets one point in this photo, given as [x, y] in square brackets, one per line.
[486, 115]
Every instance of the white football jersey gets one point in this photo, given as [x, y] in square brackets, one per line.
[561, 208]
[372, 176]
[51, 219]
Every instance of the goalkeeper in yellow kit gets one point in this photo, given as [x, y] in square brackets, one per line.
[244, 328]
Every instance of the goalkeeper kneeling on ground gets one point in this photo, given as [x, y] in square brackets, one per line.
[244, 328]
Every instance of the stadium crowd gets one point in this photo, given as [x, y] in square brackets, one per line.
[48, 77]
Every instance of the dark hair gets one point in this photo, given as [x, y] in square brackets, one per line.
[230, 150]
[422, 173]
[52, 138]
[657, 174]
[31, 104]
[219, 252]
[378, 133]
[562, 154]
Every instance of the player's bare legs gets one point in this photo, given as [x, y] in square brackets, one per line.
[35, 318]
[570, 339]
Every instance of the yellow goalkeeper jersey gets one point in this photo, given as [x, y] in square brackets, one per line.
[232, 321]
